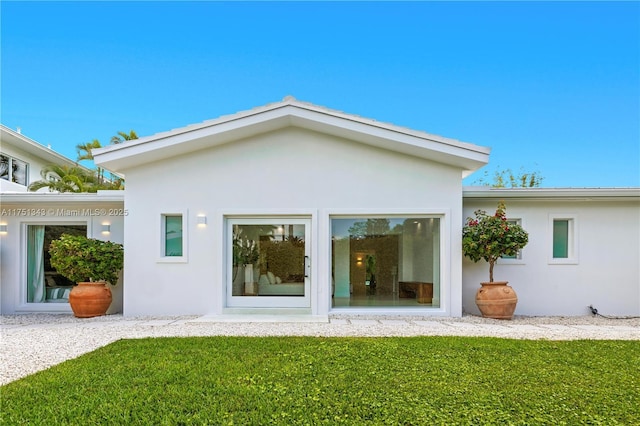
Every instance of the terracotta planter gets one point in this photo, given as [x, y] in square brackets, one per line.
[496, 300]
[90, 299]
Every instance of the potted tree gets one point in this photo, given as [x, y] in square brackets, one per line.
[489, 238]
[91, 264]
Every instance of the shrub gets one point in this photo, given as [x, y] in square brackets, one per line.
[490, 237]
[83, 259]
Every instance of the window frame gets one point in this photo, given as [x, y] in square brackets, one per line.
[10, 171]
[441, 294]
[23, 305]
[261, 302]
[572, 239]
[162, 256]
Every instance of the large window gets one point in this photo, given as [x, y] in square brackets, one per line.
[13, 170]
[386, 261]
[44, 284]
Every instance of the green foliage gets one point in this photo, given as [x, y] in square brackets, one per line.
[83, 259]
[123, 136]
[245, 250]
[66, 179]
[508, 179]
[59, 178]
[371, 227]
[85, 150]
[285, 258]
[490, 237]
[335, 381]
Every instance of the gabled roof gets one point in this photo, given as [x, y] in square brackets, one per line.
[32, 147]
[291, 113]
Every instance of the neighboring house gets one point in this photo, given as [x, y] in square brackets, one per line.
[29, 220]
[292, 208]
[22, 159]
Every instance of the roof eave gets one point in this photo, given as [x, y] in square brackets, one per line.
[586, 194]
[52, 197]
[32, 147]
[291, 113]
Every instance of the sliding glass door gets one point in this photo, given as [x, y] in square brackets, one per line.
[268, 262]
[43, 283]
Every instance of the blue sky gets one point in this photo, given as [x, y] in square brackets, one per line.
[550, 86]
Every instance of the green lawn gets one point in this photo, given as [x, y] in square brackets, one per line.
[307, 380]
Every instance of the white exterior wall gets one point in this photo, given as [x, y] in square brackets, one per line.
[606, 273]
[17, 215]
[291, 171]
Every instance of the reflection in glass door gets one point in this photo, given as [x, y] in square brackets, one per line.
[386, 261]
[268, 262]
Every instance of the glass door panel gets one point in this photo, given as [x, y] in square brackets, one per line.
[44, 284]
[268, 262]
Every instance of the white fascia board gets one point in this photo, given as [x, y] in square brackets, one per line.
[49, 197]
[124, 156]
[422, 145]
[585, 194]
[291, 113]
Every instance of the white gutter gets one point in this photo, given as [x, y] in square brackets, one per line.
[480, 192]
[45, 197]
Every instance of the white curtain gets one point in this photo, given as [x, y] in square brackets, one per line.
[36, 292]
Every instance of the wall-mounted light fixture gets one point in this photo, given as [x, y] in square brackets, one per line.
[201, 220]
[105, 228]
[3, 229]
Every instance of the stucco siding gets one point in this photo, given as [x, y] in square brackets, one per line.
[605, 270]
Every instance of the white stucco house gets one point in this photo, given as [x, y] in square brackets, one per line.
[292, 208]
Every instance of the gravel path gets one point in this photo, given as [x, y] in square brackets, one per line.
[31, 343]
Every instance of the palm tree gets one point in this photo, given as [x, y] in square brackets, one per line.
[122, 136]
[85, 153]
[66, 179]
[84, 149]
